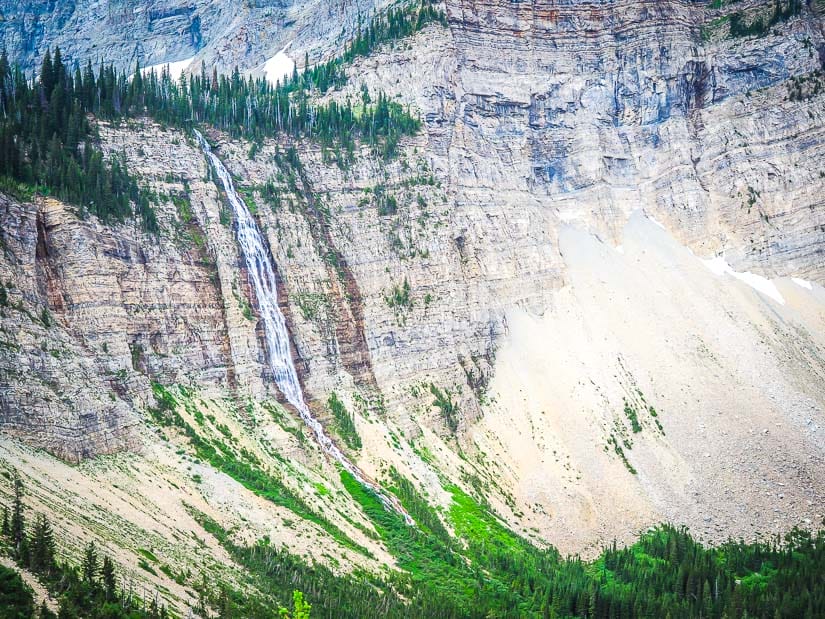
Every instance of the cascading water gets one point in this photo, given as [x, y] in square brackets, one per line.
[262, 276]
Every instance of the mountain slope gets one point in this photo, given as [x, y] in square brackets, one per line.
[497, 308]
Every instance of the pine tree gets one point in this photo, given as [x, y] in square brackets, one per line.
[46, 76]
[109, 578]
[41, 554]
[90, 566]
[18, 524]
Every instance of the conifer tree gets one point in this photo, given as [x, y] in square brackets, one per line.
[109, 578]
[41, 544]
[90, 566]
[18, 525]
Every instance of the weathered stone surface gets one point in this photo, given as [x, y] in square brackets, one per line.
[120, 309]
[549, 128]
[218, 32]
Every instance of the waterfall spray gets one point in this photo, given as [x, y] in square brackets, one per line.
[262, 277]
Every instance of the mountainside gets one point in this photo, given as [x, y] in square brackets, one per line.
[587, 296]
[154, 32]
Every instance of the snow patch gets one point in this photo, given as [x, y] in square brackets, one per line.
[719, 266]
[802, 282]
[620, 249]
[279, 66]
[658, 223]
[176, 68]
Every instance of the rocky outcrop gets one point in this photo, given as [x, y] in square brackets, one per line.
[94, 313]
[217, 32]
[122, 32]
[56, 392]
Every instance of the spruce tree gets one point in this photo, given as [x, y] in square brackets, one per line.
[18, 525]
[90, 566]
[41, 553]
[109, 578]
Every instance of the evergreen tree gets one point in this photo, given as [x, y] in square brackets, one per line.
[109, 578]
[90, 567]
[41, 547]
[16, 601]
[18, 525]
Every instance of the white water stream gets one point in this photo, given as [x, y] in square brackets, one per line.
[262, 277]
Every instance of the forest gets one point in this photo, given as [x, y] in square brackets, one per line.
[485, 570]
[48, 141]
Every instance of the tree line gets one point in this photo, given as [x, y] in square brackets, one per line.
[396, 24]
[48, 142]
[486, 571]
[93, 590]
[89, 591]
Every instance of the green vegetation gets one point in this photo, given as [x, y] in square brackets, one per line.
[744, 24]
[425, 518]
[804, 87]
[312, 305]
[666, 573]
[387, 204]
[46, 141]
[255, 109]
[396, 24]
[243, 302]
[399, 297]
[90, 590]
[344, 422]
[782, 11]
[444, 403]
[147, 554]
[485, 570]
[241, 466]
[273, 571]
[617, 448]
[16, 601]
[632, 416]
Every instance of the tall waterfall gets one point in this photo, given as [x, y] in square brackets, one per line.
[262, 277]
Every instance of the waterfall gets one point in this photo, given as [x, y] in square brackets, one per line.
[262, 277]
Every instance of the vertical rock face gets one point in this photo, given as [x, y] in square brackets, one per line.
[92, 313]
[121, 31]
[218, 32]
[617, 105]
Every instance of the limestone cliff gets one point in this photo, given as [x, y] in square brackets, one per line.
[219, 32]
[571, 293]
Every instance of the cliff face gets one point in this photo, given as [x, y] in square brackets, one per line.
[89, 308]
[552, 262]
[218, 32]
[623, 105]
[549, 133]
